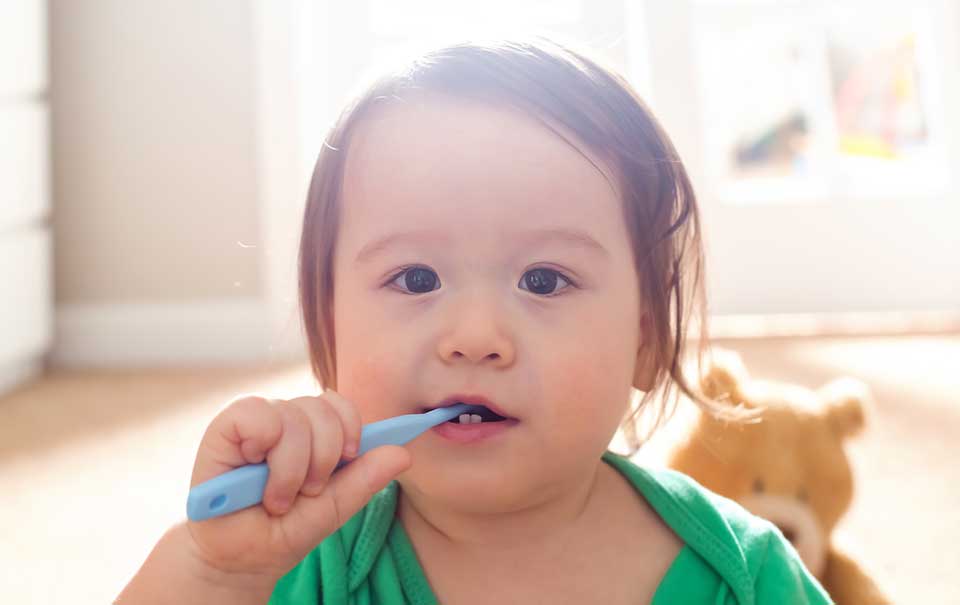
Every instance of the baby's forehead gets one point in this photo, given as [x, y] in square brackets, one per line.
[433, 137]
[469, 169]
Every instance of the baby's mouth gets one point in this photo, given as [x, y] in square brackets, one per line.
[479, 414]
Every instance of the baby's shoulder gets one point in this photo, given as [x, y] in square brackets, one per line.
[748, 552]
[700, 515]
[679, 498]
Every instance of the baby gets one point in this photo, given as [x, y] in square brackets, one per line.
[502, 224]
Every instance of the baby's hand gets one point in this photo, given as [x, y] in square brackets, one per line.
[302, 441]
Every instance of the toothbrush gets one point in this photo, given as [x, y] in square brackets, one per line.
[243, 486]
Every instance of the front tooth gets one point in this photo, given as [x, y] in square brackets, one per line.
[464, 418]
[475, 418]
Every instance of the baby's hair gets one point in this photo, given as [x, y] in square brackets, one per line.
[557, 86]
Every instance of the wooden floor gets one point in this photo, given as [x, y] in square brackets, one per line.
[94, 465]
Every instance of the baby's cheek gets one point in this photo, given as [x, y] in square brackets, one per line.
[369, 382]
[592, 389]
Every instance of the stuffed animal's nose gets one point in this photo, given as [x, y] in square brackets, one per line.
[788, 532]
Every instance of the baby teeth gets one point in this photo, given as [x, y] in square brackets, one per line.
[470, 418]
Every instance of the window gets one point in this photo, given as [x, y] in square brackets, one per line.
[812, 101]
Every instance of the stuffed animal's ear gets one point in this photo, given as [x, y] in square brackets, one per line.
[847, 404]
[725, 376]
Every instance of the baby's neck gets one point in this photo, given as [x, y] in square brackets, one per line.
[543, 524]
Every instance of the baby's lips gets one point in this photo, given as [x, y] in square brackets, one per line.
[472, 400]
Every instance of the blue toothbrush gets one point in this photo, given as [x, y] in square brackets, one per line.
[243, 486]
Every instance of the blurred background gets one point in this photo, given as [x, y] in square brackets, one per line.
[154, 159]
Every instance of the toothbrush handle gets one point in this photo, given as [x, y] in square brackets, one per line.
[229, 492]
[243, 486]
[232, 491]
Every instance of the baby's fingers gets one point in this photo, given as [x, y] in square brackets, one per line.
[349, 419]
[289, 460]
[242, 433]
[327, 421]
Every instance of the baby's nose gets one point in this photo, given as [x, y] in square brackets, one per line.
[479, 342]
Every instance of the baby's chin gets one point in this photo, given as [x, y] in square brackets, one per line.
[470, 488]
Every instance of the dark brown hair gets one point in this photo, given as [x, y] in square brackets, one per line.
[558, 86]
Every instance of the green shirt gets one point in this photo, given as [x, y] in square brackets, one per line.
[729, 556]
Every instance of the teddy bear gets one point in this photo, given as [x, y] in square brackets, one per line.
[788, 465]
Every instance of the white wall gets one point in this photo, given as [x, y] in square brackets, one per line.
[156, 182]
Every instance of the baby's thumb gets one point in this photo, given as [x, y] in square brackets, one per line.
[354, 484]
[349, 490]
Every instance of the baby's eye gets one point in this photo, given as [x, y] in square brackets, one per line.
[543, 281]
[420, 280]
[417, 280]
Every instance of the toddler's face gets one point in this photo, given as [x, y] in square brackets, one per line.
[544, 326]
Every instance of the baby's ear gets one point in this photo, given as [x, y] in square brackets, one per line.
[645, 368]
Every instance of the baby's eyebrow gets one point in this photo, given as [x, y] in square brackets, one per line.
[573, 237]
